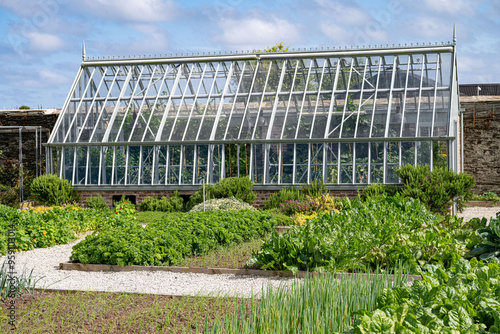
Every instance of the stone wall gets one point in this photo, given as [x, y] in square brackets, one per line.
[482, 141]
[9, 138]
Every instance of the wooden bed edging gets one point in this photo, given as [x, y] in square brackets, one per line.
[200, 270]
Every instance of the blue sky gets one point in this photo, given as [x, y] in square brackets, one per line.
[41, 44]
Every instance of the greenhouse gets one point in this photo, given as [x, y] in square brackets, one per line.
[347, 116]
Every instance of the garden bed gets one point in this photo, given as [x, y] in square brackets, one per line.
[486, 204]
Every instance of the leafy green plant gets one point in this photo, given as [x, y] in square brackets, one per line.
[36, 228]
[463, 299]
[488, 248]
[174, 237]
[238, 187]
[51, 190]
[125, 207]
[365, 234]
[436, 189]
[25, 282]
[174, 203]
[97, 202]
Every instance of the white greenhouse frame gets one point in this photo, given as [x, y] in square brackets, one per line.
[347, 116]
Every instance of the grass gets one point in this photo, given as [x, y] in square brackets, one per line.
[234, 257]
[100, 312]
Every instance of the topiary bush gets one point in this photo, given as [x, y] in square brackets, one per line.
[51, 190]
[238, 187]
[174, 203]
[436, 189]
[97, 202]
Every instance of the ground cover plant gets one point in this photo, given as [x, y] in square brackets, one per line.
[174, 237]
[49, 226]
[487, 196]
[231, 203]
[320, 304]
[462, 299]
[364, 234]
[115, 313]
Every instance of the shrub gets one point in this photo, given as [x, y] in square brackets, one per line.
[315, 189]
[238, 187]
[285, 194]
[97, 202]
[223, 204]
[51, 190]
[9, 196]
[376, 190]
[173, 203]
[438, 188]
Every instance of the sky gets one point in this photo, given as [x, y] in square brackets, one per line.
[41, 43]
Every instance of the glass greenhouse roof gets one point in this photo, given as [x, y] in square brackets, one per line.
[348, 117]
[261, 97]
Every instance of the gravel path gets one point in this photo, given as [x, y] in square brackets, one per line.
[45, 264]
[479, 212]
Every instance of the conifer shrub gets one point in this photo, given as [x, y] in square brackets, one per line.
[51, 190]
[436, 189]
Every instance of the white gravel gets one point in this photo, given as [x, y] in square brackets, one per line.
[479, 212]
[45, 264]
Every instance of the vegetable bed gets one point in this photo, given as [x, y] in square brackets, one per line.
[365, 234]
[167, 241]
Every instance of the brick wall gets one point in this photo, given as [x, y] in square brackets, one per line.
[482, 141]
[262, 195]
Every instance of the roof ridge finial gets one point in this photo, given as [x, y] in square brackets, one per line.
[454, 35]
[83, 51]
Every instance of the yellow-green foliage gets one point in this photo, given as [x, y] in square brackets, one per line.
[326, 203]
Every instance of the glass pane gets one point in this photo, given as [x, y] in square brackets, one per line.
[301, 159]
[332, 162]
[287, 165]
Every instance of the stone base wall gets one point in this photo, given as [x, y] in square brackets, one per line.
[482, 141]
[262, 195]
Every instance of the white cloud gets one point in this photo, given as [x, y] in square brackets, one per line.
[451, 7]
[133, 10]
[151, 38]
[44, 42]
[49, 77]
[257, 32]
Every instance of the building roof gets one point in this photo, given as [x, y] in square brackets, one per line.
[479, 89]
